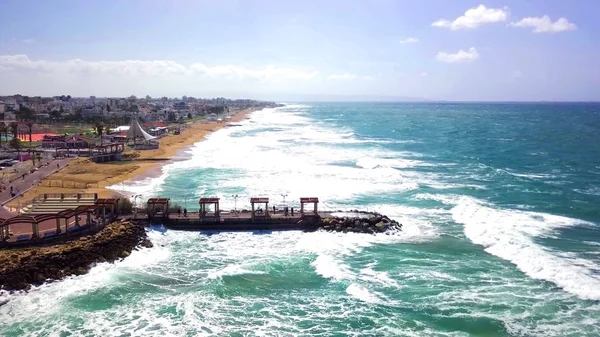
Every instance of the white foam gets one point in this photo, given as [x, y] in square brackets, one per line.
[509, 234]
[362, 294]
[232, 270]
[329, 267]
[281, 151]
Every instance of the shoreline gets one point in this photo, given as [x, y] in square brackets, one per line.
[82, 175]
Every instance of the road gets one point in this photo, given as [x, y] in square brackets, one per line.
[23, 185]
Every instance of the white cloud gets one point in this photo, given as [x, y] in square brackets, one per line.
[154, 68]
[28, 40]
[409, 40]
[545, 25]
[423, 74]
[342, 77]
[474, 18]
[459, 57]
[368, 78]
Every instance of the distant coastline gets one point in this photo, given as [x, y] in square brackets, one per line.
[97, 177]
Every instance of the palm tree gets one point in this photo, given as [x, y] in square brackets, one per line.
[29, 131]
[3, 131]
[99, 130]
[14, 129]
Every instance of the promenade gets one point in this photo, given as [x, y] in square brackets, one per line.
[30, 180]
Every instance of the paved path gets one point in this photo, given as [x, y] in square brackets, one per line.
[23, 185]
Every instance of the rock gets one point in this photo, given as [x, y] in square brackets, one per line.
[19, 268]
[125, 254]
[40, 277]
[147, 244]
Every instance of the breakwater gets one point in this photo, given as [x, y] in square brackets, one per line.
[22, 268]
[340, 221]
[359, 222]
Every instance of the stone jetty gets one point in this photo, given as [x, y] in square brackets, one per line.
[22, 268]
[358, 222]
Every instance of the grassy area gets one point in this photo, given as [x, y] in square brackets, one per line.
[194, 120]
[72, 129]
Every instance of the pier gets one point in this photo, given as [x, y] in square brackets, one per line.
[211, 217]
[57, 218]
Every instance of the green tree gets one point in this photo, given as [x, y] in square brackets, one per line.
[25, 114]
[15, 143]
[3, 131]
[14, 129]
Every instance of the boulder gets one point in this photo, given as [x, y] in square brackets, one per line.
[125, 254]
[40, 277]
[147, 244]
[20, 268]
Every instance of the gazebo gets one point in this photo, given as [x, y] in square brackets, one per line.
[88, 210]
[314, 201]
[25, 227]
[70, 213]
[112, 203]
[209, 201]
[261, 213]
[161, 203]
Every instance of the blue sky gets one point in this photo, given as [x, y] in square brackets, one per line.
[435, 49]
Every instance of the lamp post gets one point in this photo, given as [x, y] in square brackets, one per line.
[135, 204]
[235, 196]
[185, 197]
[284, 195]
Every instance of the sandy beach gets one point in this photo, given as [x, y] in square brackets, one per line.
[82, 175]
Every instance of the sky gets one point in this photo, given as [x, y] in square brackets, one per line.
[514, 50]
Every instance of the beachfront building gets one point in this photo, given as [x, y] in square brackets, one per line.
[66, 142]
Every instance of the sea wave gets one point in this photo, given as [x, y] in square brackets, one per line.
[510, 234]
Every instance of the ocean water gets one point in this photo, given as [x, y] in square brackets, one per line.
[500, 206]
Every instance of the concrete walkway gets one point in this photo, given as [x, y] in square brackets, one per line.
[23, 185]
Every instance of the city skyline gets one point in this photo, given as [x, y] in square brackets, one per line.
[389, 50]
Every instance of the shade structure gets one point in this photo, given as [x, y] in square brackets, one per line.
[136, 131]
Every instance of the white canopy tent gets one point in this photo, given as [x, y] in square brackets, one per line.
[136, 131]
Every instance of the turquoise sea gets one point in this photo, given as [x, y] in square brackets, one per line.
[500, 206]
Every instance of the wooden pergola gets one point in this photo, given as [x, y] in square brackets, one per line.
[260, 201]
[209, 201]
[314, 201]
[35, 221]
[161, 203]
[3, 230]
[112, 203]
[70, 213]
